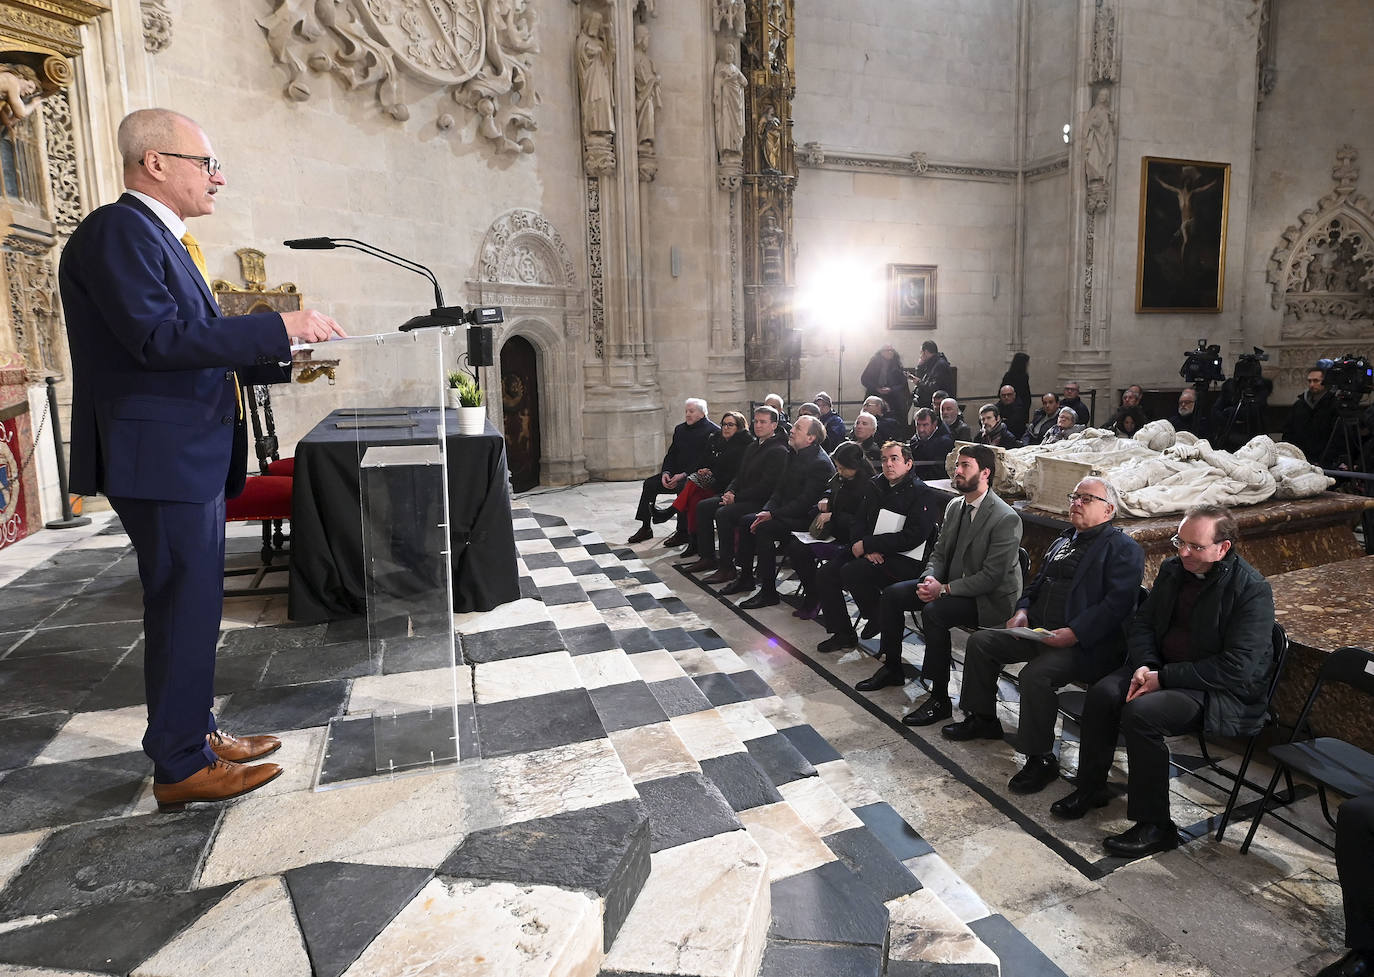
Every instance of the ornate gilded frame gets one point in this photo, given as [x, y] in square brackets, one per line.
[911, 294]
[1181, 251]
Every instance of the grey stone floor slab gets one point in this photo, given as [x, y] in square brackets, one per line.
[521, 641]
[589, 639]
[23, 738]
[827, 905]
[742, 781]
[891, 829]
[685, 808]
[1019, 956]
[679, 696]
[271, 638]
[784, 958]
[417, 654]
[51, 683]
[537, 722]
[626, 705]
[285, 707]
[875, 866]
[54, 794]
[80, 637]
[124, 686]
[294, 666]
[782, 761]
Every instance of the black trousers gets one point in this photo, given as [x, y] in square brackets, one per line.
[1145, 722]
[728, 519]
[937, 619]
[866, 581]
[706, 527]
[765, 542]
[1048, 670]
[1354, 842]
[653, 488]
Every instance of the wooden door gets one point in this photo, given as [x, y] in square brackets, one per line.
[520, 406]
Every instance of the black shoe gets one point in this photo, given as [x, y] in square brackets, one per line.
[973, 727]
[764, 598]
[839, 642]
[700, 566]
[1356, 963]
[677, 539]
[871, 630]
[663, 515]
[1074, 805]
[741, 585]
[644, 533]
[1038, 773]
[881, 679]
[1142, 839]
[722, 575]
[935, 708]
[691, 549]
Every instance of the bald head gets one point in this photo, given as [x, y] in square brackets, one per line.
[150, 130]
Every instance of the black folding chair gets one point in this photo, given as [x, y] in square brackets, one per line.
[1327, 761]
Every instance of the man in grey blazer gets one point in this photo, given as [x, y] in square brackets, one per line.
[973, 578]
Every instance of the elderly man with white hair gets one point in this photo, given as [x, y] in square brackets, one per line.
[685, 455]
[1078, 603]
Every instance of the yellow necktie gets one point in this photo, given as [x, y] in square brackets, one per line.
[198, 258]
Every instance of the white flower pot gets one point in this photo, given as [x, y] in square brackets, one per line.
[451, 398]
[472, 420]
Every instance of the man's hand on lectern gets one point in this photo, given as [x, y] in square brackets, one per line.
[310, 326]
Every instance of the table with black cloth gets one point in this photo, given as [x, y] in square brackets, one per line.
[327, 568]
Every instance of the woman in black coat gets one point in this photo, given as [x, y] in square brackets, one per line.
[724, 450]
[885, 378]
[1018, 377]
[850, 490]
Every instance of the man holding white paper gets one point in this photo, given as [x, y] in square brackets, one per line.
[1085, 591]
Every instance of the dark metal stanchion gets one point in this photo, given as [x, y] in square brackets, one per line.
[68, 521]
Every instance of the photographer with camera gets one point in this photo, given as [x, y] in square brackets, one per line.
[1312, 417]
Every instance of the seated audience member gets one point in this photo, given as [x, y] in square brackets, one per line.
[746, 493]
[1189, 418]
[953, 422]
[1354, 842]
[1087, 586]
[1066, 424]
[1071, 399]
[931, 446]
[933, 373]
[1199, 653]
[810, 409]
[992, 430]
[866, 437]
[684, 456]
[885, 377]
[724, 451]
[884, 548]
[835, 433]
[973, 578]
[784, 422]
[1045, 418]
[1312, 417]
[805, 475]
[837, 513]
[1015, 412]
[888, 427]
[1127, 421]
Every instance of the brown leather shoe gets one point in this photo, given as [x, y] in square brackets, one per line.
[724, 575]
[241, 749]
[219, 781]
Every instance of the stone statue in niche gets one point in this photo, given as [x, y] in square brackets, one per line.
[595, 49]
[729, 16]
[18, 94]
[770, 138]
[1104, 43]
[1099, 150]
[728, 96]
[770, 237]
[648, 88]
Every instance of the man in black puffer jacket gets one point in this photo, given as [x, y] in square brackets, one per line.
[803, 481]
[743, 497]
[1199, 655]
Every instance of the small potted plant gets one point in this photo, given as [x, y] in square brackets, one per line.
[466, 396]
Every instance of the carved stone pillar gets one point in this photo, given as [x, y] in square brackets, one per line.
[727, 23]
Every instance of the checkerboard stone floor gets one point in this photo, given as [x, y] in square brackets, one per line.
[630, 798]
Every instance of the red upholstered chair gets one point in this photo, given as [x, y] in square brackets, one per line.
[265, 499]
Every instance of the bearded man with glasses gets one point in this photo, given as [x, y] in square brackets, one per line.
[1086, 588]
[1199, 654]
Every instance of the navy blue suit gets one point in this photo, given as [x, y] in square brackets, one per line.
[155, 427]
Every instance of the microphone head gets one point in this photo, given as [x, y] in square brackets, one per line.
[311, 243]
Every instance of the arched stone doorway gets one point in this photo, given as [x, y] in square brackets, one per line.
[520, 409]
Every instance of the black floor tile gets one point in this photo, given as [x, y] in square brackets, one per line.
[283, 707]
[779, 759]
[240, 670]
[54, 794]
[616, 573]
[104, 861]
[589, 639]
[529, 590]
[810, 743]
[123, 687]
[741, 781]
[357, 748]
[718, 688]
[922, 968]
[597, 549]
[419, 654]
[626, 705]
[563, 593]
[783, 958]
[50, 683]
[643, 602]
[636, 640]
[892, 830]
[110, 939]
[583, 568]
[679, 696]
[102, 601]
[99, 557]
[23, 739]
[708, 640]
[1019, 956]
[674, 605]
[273, 639]
[541, 561]
[522, 535]
[675, 639]
[565, 542]
[827, 905]
[537, 723]
[751, 684]
[876, 867]
[27, 615]
[604, 849]
[58, 577]
[646, 576]
[546, 520]
[342, 907]
[520, 641]
[610, 597]
[346, 629]
[685, 808]
[292, 666]
[82, 637]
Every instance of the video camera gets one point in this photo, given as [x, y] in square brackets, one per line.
[1202, 365]
[1350, 378]
[1248, 373]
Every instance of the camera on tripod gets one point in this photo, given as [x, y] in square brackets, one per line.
[1202, 365]
[1349, 379]
[1248, 374]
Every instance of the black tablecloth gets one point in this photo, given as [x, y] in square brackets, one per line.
[327, 578]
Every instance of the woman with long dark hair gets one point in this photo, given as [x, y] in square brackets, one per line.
[723, 453]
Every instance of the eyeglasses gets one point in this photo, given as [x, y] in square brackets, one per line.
[729, 424]
[1085, 498]
[209, 162]
[1186, 547]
